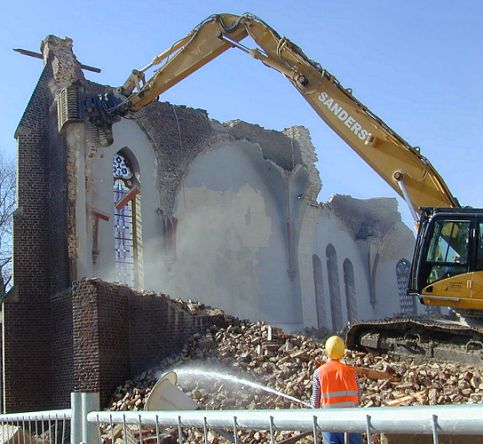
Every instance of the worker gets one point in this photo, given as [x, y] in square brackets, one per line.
[334, 386]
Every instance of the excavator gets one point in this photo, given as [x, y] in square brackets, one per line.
[447, 267]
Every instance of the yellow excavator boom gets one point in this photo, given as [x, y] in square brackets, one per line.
[403, 167]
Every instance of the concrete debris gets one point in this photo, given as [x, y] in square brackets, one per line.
[284, 365]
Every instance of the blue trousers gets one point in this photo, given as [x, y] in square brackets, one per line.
[338, 438]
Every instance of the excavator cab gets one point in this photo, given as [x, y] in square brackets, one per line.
[449, 252]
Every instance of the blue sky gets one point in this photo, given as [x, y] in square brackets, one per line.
[416, 64]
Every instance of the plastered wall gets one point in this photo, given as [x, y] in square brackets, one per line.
[237, 226]
[248, 229]
[324, 229]
[95, 192]
[233, 245]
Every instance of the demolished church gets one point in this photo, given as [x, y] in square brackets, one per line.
[172, 201]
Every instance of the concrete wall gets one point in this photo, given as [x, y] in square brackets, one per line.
[373, 249]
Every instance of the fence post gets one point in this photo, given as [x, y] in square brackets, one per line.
[90, 402]
[76, 418]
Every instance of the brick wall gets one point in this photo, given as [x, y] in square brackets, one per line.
[60, 266]
[100, 334]
[62, 346]
[114, 313]
[27, 353]
[28, 370]
[41, 264]
[30, 227]
[120, 332]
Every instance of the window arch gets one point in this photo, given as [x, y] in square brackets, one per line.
[406, 303]
[127, 219]
[350, 291]
[319, 291]
[334, 287]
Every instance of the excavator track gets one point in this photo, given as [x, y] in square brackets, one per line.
[421, 339]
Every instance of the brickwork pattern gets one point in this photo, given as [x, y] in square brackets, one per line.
[63, 352]
[38, 316]
[27, 353]
[114, 359]
[59, 264]
[120, 332]
[85, 337]
[30, 228]
[28, 364]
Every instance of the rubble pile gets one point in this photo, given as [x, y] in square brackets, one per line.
[260, 354]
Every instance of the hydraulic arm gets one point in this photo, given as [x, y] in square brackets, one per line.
[400, 165]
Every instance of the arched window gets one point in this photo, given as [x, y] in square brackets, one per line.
[350, 291]
[127, 221]
[319, 291]
[334, 287]
[406, 303]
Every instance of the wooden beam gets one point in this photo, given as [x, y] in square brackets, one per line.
[127, 198]
[369, 373]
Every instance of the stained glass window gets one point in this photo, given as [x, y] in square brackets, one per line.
[125, 222]
[121, 169]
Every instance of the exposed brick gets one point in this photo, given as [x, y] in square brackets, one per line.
[120, 332]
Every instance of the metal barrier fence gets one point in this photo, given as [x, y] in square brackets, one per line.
[50, 427]
[426, 420]
[85, 423]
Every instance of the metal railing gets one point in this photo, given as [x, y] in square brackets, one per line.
[426, 420]
[50, 426]
[85, 423]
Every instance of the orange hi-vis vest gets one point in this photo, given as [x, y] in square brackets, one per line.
[338, 385]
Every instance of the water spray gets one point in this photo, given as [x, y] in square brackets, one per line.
[209, 374]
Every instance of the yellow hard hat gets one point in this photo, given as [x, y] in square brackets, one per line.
[335, 347]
